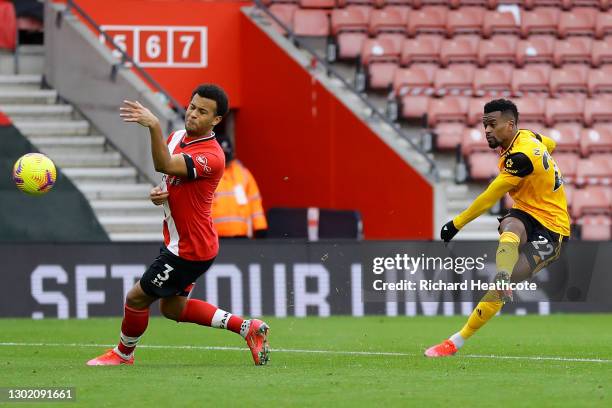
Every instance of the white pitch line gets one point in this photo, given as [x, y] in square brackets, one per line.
[338, 352]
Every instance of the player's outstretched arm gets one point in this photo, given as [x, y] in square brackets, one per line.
[164, 162]
[494, 192]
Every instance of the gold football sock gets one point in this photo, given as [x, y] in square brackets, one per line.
[507, 254]
[488, 307]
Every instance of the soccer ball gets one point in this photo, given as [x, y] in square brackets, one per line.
[34, 173]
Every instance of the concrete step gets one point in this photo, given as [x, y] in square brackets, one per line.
[145, 223]
[126, 208]
[105, 159]
[112, 191]
[53, 128]
[21, 112]
[21, 97]
[20, 81]
[99, 175]
[456, 191]
[137, 236]
[457, 205]
[69, 141]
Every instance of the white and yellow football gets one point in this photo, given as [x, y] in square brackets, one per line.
[34, 173]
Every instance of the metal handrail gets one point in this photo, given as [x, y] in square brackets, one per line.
[125, 58]
[333, 72]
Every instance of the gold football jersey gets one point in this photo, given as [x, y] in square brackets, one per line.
[528, 165]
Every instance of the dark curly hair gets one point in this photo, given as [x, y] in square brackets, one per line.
[505, 106]
[217, 94]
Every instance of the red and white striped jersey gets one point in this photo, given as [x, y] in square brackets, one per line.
[189, 231]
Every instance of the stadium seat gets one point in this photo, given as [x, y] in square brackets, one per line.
[567, 163]
[540, 21]
[359, 3]
[565, 4]
[462, 49]
[531, 109]
[414, 81]
[603, 25]
[454, 80]
[591, 200]
[500, 22]
[350, 26]
[499, 49]
[414, 107]
[284, 12]
[601, 53]
[475, 110]
[533, 79]
[595, 228]
[317, 4]
[448, 135]
[570, 78]
[425, 48]
[428, 20]
[310, 23]
[483, 165]
[380, 75]
[387, 20]
[8, 24]
[573, 50]
[473, 140]
[578, 21]
[567, 136]
[533, 126]
[596, 140]
[537, 49]
[429, 3]
[384, 48]
[363, 8]
[600, 80]
[493, 80]
[448, 109]
[594, 170]
[564, 110]
[569, 193]
[598, 110]
[466, 20]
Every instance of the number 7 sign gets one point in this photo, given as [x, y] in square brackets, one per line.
[162, 46]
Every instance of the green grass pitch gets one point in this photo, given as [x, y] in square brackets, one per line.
[168, 377]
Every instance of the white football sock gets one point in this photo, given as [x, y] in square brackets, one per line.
[457, 340]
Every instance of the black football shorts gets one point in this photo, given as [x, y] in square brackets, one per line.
[170, 275]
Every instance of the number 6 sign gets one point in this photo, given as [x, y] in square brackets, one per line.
[161, 46]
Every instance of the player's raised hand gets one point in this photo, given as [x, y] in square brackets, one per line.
[133, 111]
[157, 196]
[448, 231]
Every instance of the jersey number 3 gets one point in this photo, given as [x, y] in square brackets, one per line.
[545, 162]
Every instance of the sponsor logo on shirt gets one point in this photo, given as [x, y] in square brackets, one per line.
[203, 161]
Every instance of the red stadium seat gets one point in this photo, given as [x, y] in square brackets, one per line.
[598, 110]
[448, 135]
[8, 24]
[414, 107]
[448, 109]
[596, 140]
[567, 137]
[310, 23]
[496, 22]
[387, 20]
[454, 80]
[349, 25]
[483, 165]
[350, 3]
[594, 170]
[573, 50]
[532, 79]
[601, 53]
[429, 3]
[428, 20]
[466, 20]
[578, 21]
[317, 4]
[567, 163]
[570, 78]
[591, 200]
[493, 80]
[600, 80]
[473, 140]
[384, 48]
[564, 110]
[603, 25]
[414, 81]
[566, 4]
[462, 49]
[284, 12]
[533, 126]
[491, 4]
[363, 8]
[500, 48]
[538, 49]
[569, 193]
[540, 21]
[350, 44]
[475, 110]
[531, 109]
[596, 228]
[424, 49]
[381, 75]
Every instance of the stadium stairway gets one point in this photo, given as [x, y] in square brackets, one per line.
[116, 192]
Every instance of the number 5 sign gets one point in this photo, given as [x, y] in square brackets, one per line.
[161, 46]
